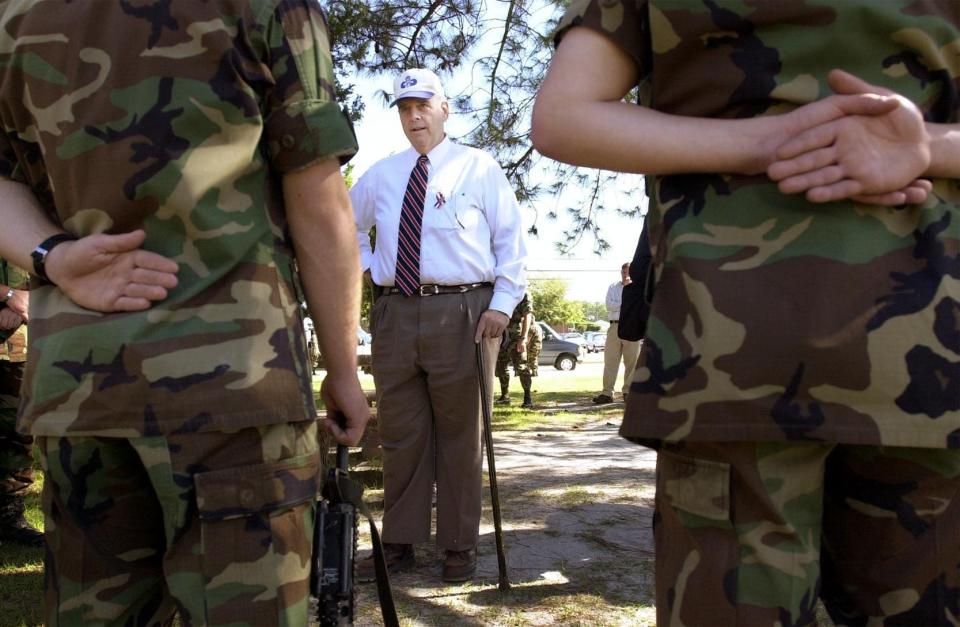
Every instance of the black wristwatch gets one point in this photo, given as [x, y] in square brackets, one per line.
[39, 254]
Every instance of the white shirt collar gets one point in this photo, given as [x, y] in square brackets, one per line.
[439, 152]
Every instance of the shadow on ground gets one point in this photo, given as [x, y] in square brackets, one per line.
[576, 507]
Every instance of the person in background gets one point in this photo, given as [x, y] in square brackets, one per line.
[16, 450]
[515, 352]
[434, 303]
[799, 374]
[614, 348]
[534, 345]
[163, 187]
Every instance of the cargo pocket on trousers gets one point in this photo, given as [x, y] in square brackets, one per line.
[255, 526]
[696, 486]
[695, 541]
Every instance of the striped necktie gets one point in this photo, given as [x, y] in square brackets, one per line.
[407, 277]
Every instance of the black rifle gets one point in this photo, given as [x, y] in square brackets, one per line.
[335, 548]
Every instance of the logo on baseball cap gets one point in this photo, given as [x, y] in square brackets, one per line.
[416, 83]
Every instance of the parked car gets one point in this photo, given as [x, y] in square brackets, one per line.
[364, 354]
[364, 341]
[595, 341]
[560, 353]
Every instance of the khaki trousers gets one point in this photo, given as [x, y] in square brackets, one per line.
[613, 350]
[428, 407]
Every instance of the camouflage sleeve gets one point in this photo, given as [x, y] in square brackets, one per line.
[304, 123]
[624, 22]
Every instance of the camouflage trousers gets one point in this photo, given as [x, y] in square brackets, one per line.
[216, 526]
[16, 460]
[509, 355]
[753, 534]
[534, 345]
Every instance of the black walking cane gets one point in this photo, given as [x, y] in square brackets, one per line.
[492, 470]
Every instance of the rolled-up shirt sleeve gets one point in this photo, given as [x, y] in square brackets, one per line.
[304, 123]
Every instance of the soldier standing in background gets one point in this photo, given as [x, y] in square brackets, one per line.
[16, 458]
[534, 346]
[174, 175]
[799, 377]
[515, 351]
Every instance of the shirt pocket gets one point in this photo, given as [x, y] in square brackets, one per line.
[467, 210]
[438, 211]
[453, 211]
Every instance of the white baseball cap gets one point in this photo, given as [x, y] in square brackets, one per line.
[416, 83]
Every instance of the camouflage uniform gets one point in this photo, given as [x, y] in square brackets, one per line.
[16, 459]
[534, 346]
[797, 355]
[510, 355]
[179, 442]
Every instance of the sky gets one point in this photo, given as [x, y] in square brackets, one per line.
[587, 276]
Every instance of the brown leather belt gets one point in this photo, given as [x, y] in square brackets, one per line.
[433, 290]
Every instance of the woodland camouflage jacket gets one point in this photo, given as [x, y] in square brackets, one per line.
[178, 118]
[774, 319]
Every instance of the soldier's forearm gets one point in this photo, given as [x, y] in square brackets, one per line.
[322, 226]
[24, 221]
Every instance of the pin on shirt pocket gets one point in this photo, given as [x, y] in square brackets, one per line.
[441, 212]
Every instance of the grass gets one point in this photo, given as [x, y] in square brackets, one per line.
[21, 570]
[552, 393]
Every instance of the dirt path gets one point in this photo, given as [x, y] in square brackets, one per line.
[576, 505]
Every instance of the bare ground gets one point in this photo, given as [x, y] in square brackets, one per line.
[576, 505]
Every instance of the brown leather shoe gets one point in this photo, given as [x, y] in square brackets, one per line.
[460, 565]
[399, 557]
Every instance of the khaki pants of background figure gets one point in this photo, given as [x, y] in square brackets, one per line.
[613, 351]
[428, 406]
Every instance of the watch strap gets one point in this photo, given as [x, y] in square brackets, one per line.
[39, 254]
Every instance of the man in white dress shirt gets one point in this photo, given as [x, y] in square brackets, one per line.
[448, 270]
[615, 348]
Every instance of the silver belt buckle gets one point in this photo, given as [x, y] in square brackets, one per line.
[428, 290]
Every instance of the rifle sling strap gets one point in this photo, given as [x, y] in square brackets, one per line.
[352, 492]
